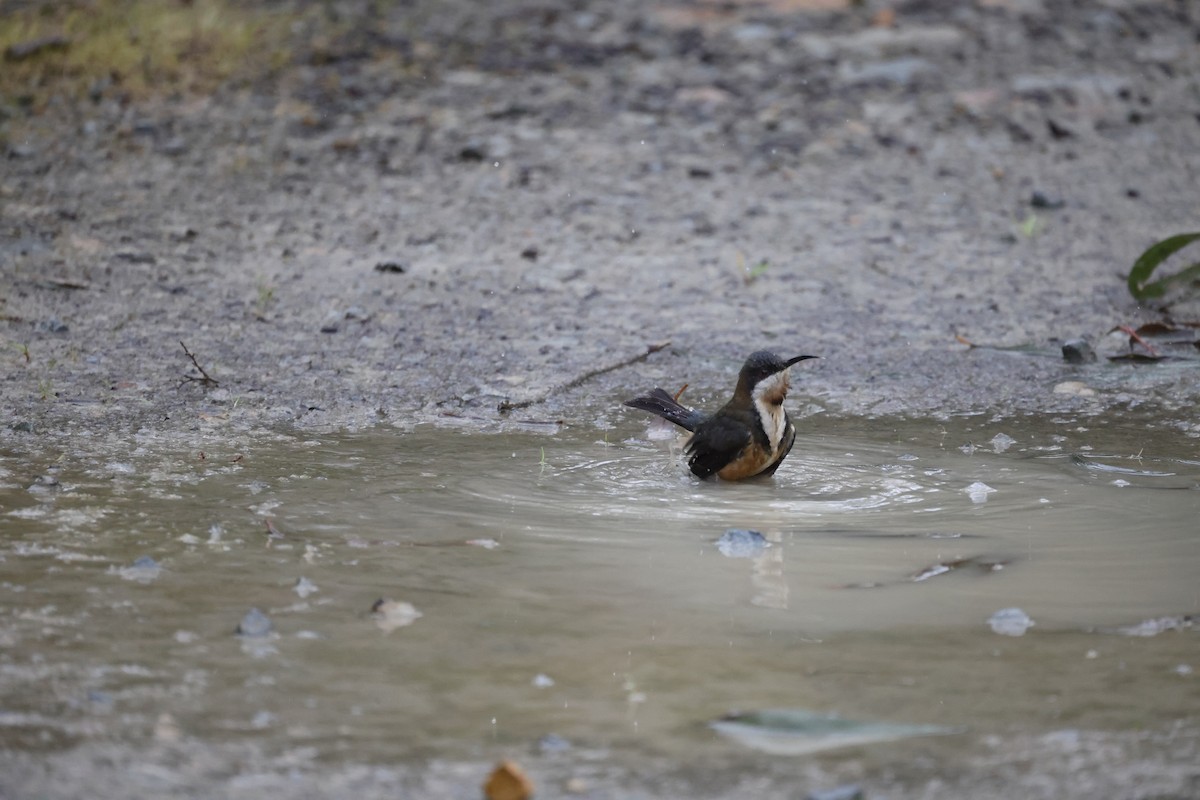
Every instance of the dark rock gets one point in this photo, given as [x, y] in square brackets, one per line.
[473, 151]
[1058, 130]
[53, 325]
[1042, 200]
[397, 267]
[137, 257]
[531, 253]
[1078, 351]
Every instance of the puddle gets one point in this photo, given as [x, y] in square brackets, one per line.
[572, 584]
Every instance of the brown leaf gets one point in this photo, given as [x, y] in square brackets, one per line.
[508, 782]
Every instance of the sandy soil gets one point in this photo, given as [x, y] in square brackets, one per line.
[447, 211]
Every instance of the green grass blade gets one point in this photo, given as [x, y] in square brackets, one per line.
[1149, 261]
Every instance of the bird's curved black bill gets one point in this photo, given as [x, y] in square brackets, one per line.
[791, 361]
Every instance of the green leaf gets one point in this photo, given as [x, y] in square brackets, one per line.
[1149, 261]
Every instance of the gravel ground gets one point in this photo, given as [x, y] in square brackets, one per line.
[441, 213]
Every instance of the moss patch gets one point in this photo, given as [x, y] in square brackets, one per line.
[138, 46]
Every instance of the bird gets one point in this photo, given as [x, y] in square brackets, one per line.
[749, 436]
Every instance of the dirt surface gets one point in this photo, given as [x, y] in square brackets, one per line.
[447, 207]
[491, 211]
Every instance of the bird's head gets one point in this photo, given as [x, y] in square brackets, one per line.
[765, 376]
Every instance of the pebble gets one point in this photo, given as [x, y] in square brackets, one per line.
[304, 587]
[390, 614]
[1001, 442]
[851, 791]
[1010, 622]
[884, 42]
[900, 71]
[143, 570]
[44, 483]
[254, 625]
[741, 543]
[978, 492]
[553, 743]
[1042, 200]
[53, 325]
[1077, 388]
[1077, 351]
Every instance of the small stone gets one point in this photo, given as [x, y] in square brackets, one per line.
[255, 625]
[553, 743]
[899, 71]
[1002, 441]
[1042, 200]
[392, 266]
[390, 614]
[473, 151]
[1010, 622]
[741, 543]
[542, 681]
[978, 492]
[175, 146]
[508, 782]
[53, 325]
[530, 253]
[144, 570]
[166, 729]
[1078, 351]
[304, 587]
[44, 483]
[850, 791]
[1077, 388]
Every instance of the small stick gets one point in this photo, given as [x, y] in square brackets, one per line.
[508, 405]
[1134, 336]
[204, 379]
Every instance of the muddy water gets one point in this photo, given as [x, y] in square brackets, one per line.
[570, 582]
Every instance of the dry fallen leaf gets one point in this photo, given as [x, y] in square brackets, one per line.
[508, 782]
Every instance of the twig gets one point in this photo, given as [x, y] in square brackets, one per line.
[1134, 336]
[510, 405]
[205, 379]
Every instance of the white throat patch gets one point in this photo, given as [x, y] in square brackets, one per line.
[768, 400]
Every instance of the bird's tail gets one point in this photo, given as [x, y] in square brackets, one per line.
[660, 403]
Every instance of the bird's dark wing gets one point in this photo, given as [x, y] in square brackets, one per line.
[716, 442]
